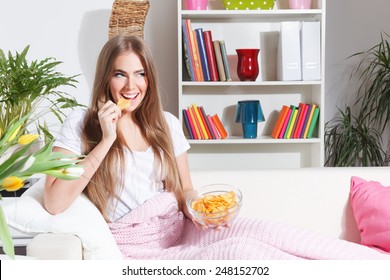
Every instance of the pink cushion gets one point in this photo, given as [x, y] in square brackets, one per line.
[371, 208]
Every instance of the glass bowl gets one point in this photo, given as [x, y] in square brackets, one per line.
[215, 205]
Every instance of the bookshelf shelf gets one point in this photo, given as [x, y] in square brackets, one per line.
[252, 29]
[258, 140]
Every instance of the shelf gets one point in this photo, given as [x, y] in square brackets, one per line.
[268, 15]
[258, 140]
[258, 83]
[253, 29]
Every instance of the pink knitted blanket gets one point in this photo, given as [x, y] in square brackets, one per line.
[157, 230]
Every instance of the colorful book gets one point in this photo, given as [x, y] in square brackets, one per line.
[192, 125]
[187, 124]
[279, 121]
[202, 125]
[195, 52]
[208, 41]
[187, 52]
[312, 108]
[292, 121]
[203, 54]
[218, 57]
[300, 124]
[214, 129]
[285, 123]
[225, 60]
[313, 122]
[195, 122]
[301, 107]
[305, 120]
[208, 126]
[220, 128]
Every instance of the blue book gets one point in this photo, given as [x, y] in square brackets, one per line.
[203, 54]
[187, 52]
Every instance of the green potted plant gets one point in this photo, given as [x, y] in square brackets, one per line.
[356, 139]
[33, 88]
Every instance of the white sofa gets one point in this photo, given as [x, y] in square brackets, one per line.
[312, 198]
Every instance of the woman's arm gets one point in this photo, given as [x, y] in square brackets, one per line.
[60, 194]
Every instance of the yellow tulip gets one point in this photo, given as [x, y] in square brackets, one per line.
[12, 183]
[27, 139]
[14, 133]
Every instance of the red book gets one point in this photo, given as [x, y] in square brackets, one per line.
[300, 125]
[305, 121]
[206, 128]
[208, 41]
[301, 108]
[285, 123]
[191, 124]
[279, 121]
[218, 124]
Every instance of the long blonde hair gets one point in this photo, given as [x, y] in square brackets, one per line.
[148, 116]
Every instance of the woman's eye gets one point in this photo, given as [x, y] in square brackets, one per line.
[141, 74]
[119, 74]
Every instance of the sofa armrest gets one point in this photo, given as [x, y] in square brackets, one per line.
[58, 246]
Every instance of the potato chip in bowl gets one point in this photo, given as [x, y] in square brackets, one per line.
[215, 205]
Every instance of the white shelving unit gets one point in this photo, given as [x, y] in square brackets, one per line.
[252, 29]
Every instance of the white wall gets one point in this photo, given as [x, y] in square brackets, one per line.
[74, 31]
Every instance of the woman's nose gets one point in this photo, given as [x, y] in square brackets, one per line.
[130, 83]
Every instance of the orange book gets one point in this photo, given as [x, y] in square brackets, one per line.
[195, 122]
[279, 121]
[218, 124]
[195, 52]
[202, 125]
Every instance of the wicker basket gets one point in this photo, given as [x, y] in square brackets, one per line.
[128, 17]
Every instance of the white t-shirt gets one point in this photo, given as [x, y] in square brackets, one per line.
[140, 178]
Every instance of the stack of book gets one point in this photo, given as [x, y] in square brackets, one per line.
[204, 59]
[296, 121]
[199, 125]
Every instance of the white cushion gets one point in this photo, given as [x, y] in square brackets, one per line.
[82, 218]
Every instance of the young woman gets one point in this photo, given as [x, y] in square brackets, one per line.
[131, 154]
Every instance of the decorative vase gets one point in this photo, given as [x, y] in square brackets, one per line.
[196, 4]
[248, 66]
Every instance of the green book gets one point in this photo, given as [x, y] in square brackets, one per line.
[290, 122]
[313, 122]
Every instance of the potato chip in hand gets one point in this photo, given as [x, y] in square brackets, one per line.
[124, 103]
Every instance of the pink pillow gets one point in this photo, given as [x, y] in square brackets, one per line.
[371, 207]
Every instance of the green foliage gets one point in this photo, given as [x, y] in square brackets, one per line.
[349, 141]
[374, 90]
[17, 160]
[32, 88]
[357, 140]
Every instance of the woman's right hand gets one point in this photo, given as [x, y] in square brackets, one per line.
[109, 114]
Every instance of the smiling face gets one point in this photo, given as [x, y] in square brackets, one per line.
[128, 80]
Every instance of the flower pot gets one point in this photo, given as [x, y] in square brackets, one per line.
[300, 4]
[196, 4]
